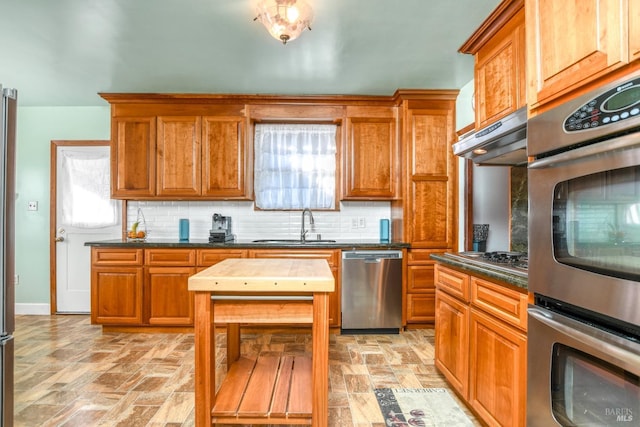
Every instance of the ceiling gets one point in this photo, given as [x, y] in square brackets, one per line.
[63, 52]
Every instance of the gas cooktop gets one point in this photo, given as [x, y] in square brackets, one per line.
[510, 262]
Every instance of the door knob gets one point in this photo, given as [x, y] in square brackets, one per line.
[60, 239]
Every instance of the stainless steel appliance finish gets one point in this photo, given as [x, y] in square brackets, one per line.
[502, 143]
[371, 291]
[589, 376]
[8, 110]
[220, 229]
[584, 257]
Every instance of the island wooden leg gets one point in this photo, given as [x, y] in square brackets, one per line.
[233, 343]
[205, 358]
[320, 360]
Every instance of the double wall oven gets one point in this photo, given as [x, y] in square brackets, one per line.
[584, 260]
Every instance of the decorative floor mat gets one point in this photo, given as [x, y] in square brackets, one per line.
[421, 407]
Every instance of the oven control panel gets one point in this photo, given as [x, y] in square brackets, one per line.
[615, 105]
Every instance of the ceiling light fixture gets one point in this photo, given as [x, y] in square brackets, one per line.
[284, 19]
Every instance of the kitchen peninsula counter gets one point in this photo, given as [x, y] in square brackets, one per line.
[248, 244]
[519, 280]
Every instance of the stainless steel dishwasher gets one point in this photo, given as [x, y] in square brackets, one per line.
[371, 291]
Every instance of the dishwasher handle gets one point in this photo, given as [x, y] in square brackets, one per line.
[371, 257]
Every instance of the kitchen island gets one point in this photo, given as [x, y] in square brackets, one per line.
[268, 390]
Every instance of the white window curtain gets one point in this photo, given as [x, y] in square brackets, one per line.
[87, 202]
[295, 166]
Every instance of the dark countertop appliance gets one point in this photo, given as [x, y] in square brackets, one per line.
[220, 229]
[503, 143]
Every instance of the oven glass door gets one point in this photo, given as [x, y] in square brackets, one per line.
[587, 391]
[596, 222]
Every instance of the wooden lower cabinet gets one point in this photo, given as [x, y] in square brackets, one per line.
[168, 301]
[420, 289]
[481, 344]
[116, 295]
[497, 370]
[147, 287]
[452, 341]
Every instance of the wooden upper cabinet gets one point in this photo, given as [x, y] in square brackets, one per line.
[572, 43]
[499, 49]
[133, 157]
[371, 154]
[178, 156]
[634, 30]
[432, 173]
[224, 157]
[500, 73]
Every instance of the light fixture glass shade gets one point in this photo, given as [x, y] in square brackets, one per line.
[284, 19]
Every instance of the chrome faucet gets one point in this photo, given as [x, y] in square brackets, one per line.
[303, 230]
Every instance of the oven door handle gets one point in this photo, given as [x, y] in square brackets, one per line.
[624, 142]
[610, 346]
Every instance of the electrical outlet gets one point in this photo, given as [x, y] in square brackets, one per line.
[354, 223]
[361, 222]
[32, 206]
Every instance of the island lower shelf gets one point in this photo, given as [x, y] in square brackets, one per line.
[267, 388]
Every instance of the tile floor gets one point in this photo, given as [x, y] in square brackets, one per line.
[69, 373]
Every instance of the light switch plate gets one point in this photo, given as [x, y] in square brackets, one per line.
[32, 206]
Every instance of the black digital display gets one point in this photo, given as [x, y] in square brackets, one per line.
[623, 99]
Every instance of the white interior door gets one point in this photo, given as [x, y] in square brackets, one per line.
[84, 212]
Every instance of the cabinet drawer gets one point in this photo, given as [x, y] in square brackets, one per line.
[500, 301]
[332, 256]
[420, 278]
[421, 308]
[178, 257]
[209, 257]
[116, 256]
[452, 282]
[421, 256]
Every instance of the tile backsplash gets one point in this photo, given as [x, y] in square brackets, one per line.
[354, 220]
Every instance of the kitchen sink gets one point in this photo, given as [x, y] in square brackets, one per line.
[292, 241]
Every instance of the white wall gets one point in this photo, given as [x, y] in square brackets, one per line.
[248, 224]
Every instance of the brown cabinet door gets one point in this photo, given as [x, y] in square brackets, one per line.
[421, 307]
[133, 157]
[168, 299]
[224, 158]
[332, 257]
[572, 43]
[116, 295]
[432, 173]
[500, 73]
[452, 341]
[178, 156]
[420, 278]
[497, 386]
[209, 257]
[634, 30]
[371, 154]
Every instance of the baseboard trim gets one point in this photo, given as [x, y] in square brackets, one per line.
[33, 309]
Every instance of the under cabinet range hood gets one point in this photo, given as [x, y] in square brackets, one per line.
[503, 143]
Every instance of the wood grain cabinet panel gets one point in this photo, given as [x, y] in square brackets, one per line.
[168, 300]
[452, 341]
[500, 73]
[225, 157]
[371, 154]
[573, 43]
[420, 278]
[453, 282]
[209, 257]
[502, 302]
[178, 156]
[133, 157]
[634, 30]
[170, 257]
[497, 390]
[421, 307]
[116, 295]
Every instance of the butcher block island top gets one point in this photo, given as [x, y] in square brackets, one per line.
[268, 275]
[267, 389]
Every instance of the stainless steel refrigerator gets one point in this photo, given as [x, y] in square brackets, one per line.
[8, 110]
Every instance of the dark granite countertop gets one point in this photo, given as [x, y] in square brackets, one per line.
[249, 244]
[518, 279]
